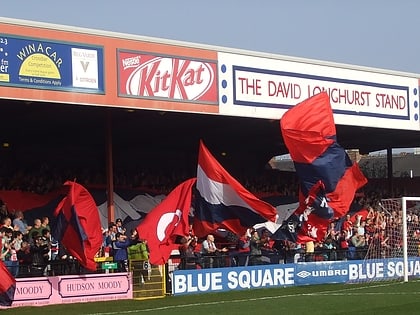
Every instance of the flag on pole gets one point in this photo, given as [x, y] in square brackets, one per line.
[7, 286]
[328, 178]
[222, 202]
[78, 226]
[166, 222]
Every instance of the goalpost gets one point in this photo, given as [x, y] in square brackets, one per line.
[394, 241]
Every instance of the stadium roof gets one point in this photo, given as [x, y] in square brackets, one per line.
[156, 138]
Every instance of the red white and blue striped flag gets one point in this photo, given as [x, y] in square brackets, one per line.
[222, 202]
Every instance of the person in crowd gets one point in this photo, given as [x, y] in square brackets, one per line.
[120, 228]
[7, 223]
[8, 252]
[24, 257]
[255, 245]
[40, 258]
[343, 245]
[241, 254]
[66, 263]
[330, 248]
[332, 231]
[4, 212]
[120, 254]
[47, 237]
[45, 223]
[268, 254]
[17, 239]
[358, 242]
[360, 225]
[309, 251]
[110, 237]
[138, 256]
[187, 250]
[348, 225]
[289, 251]
[210, 253]
[21, 224]
[37, 227]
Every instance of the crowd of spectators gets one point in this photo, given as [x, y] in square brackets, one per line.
[46, 178]
[357, 237]
[374, 231]
[31, 250]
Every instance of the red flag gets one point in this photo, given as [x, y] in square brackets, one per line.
[25, 200]
[78, 226]
[328, 178]
[222, 202]
[167, 221]
[7, 286]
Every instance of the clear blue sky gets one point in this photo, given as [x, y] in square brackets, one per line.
[374, 33]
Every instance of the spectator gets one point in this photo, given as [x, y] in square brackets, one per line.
[309, 251]
[269, 254]
[138, 255]
[187, 252]
[210, 253]
[331, 246]
[21, 224]
[67, 264]
[47, 237]
[348, 225]
[45, 221]
[7, 223]
[8, 253]
[359, 244]
[39, 251]
[120, 254]
[255, 245]
[37, 227]
[110, 238]
[3, 210]
[289, 251]
[17, 239]
[332, 231]
[241, 255]
[24, 257]
[344, 245]
[120, 228]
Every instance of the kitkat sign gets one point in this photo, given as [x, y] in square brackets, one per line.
[167, 78]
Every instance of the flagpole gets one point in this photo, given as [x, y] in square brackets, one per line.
[109, 168]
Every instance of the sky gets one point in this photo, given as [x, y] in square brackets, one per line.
[374, 33]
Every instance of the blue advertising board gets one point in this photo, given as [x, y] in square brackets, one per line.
[285, 275]
[44, 64]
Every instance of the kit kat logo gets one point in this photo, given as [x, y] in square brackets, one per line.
[167, 78]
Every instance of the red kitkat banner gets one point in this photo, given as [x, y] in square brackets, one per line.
[167, 77]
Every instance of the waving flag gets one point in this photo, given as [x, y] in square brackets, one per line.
[222, 202]
[7, 286]
[166, 221]
[78, 226]
[328, 178]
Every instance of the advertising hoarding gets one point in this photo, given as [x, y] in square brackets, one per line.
[286, 275]
[143, 75]
[44, 64]
[267, 88]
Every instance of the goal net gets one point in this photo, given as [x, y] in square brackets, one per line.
[392, 233]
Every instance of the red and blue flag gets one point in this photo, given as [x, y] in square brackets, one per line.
[78, 226]
[328, 178]
[7, 286]
[222, 202]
